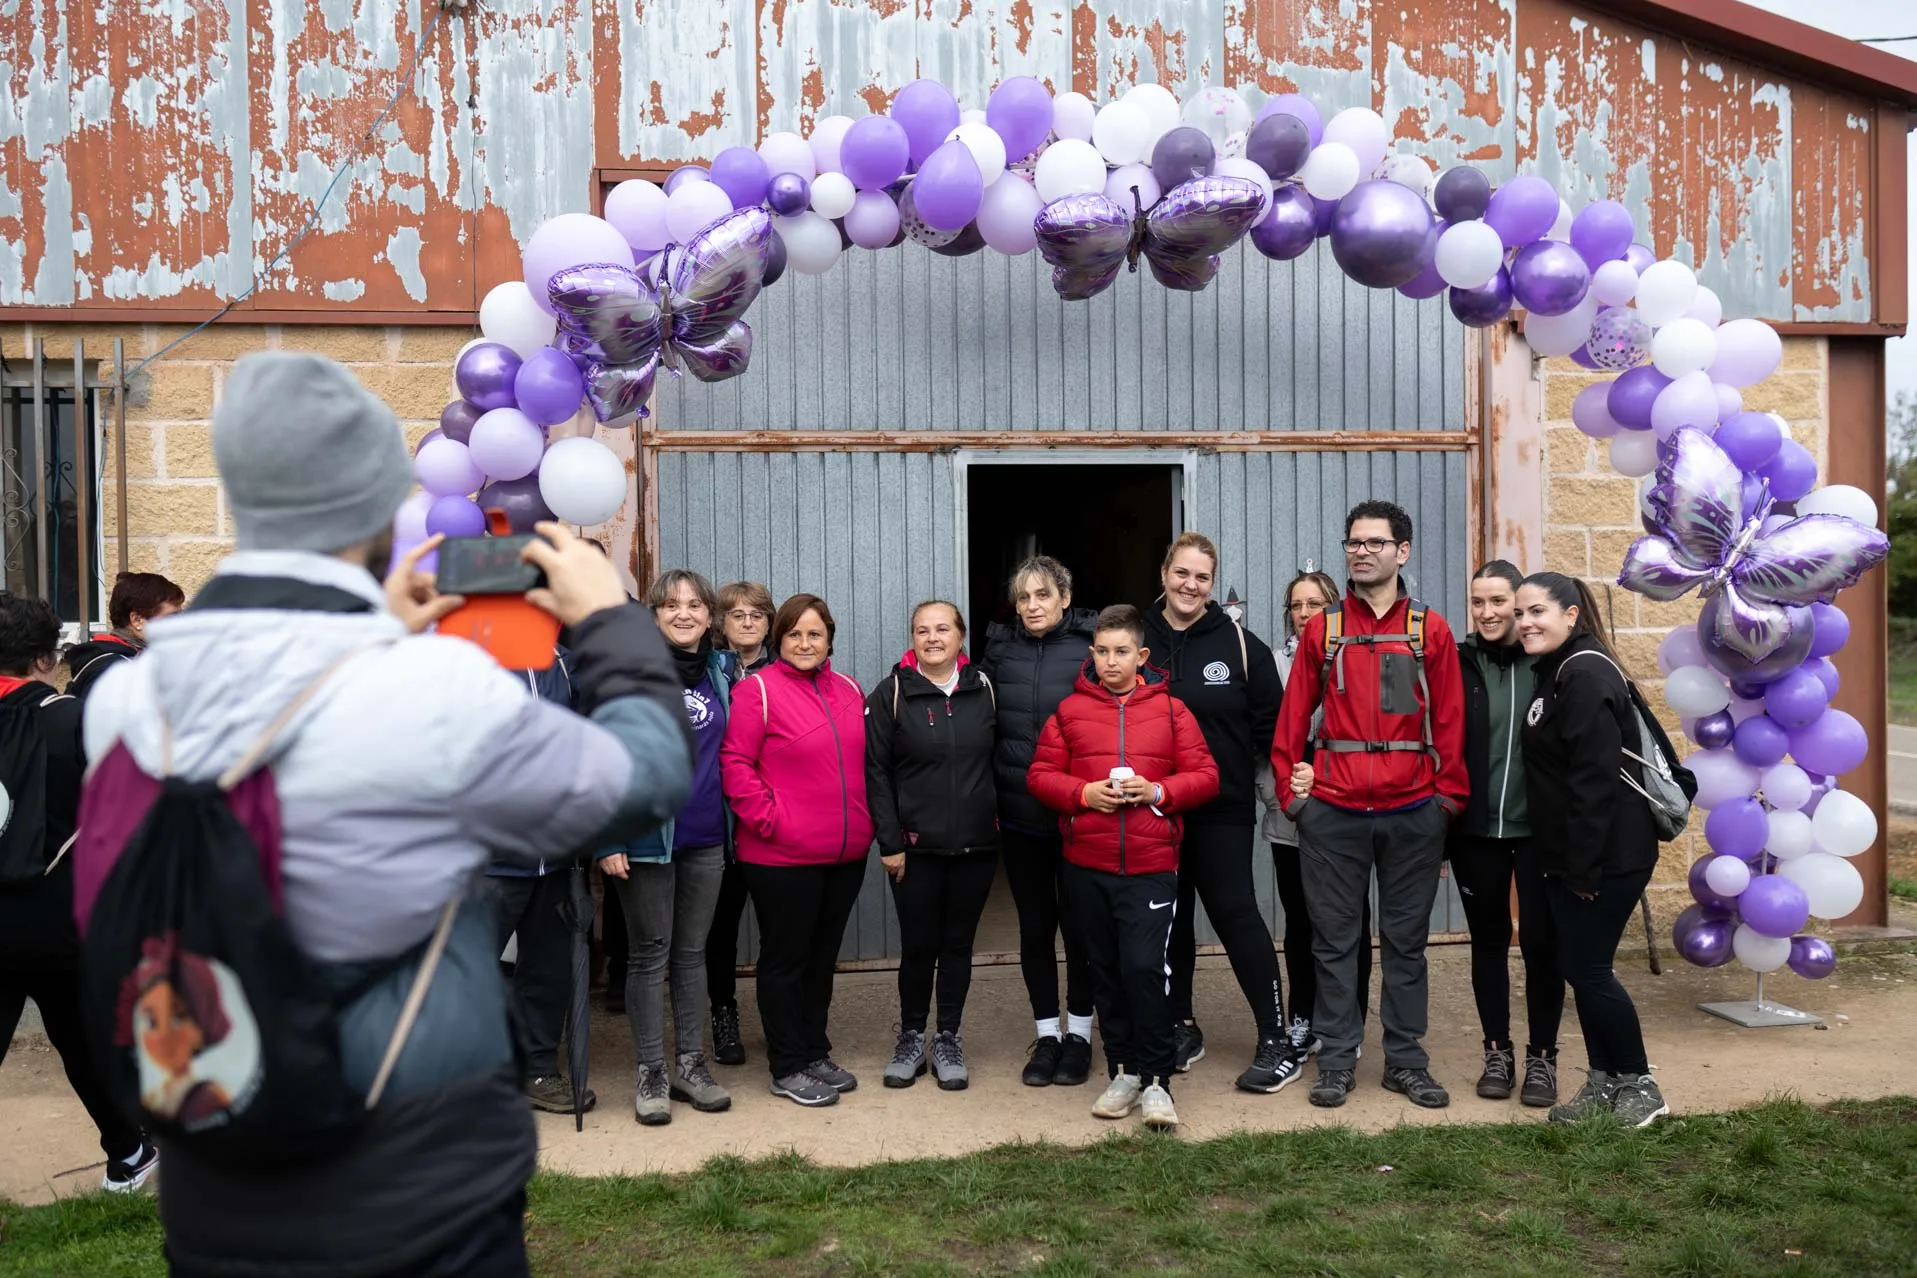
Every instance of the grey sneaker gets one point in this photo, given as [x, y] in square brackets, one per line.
[1303, 1041]
[1417, 1086]
[1500, 1072]
[1156, 1103]
[804, 1089]
[1592, 1098]
[948, 1062]
[1540, 1077]
[652, 1105]
[694, 1085]
[553, 1093]
[1120, 1097]
[1332, 1087]
[1637, 1102]
[827, 1070]
[908, 1059]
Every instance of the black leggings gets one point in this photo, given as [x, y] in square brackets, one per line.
[1034, 865]
[939, 900]
[1299, 965]
[722, 943]
[1588, 936]
[56, 993]
[1484, 869]
[1214, 865]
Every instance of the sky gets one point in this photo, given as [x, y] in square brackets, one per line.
[1857, 19]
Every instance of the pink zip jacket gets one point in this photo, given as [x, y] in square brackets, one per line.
[793, 766]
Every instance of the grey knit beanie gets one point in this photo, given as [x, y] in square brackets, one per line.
[311, 459]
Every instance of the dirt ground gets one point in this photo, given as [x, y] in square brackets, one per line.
[1902, 837]
[1703, 1063]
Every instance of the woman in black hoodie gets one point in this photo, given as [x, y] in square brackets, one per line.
[1592, 829]
[929, 737]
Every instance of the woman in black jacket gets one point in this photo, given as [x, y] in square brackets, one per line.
[929, 736]
[1593, 832]
[1034, 664]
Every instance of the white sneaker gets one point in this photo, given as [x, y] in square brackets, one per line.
[1120, 1097]
[1157, 1104]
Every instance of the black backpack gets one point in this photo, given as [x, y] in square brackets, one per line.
[215, 1029]
[23, 784]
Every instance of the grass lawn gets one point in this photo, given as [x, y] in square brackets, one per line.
[1782, 1188]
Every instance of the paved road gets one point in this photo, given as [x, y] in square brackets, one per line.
[1903, 768]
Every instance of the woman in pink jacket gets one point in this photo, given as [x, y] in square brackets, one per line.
[793, 766]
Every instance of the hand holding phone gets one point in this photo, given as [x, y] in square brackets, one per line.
[579, 580]
[413, 596]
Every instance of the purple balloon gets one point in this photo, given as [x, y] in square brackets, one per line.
[1427, 282]
[549, 387]
[1462, 194]
[1821, 667]
[1290, 228]
[1296, 104]
[1792, 473]
[455, 517]
[774, 262]
[1322, 212]
[1582, 358]
[967, 242]
[1833, 744]
[1747, 691]
[1634, 394]
[456, 420]
[1522, 210]
[1812, 957]
[685, 174]
[1640, 256]
[1796, 700]
[1714, 731]
[1549, 278]
[1381, 235]
[1737, 828]
[1774, 906]
[485, 376]
[1691, 917]
[875, 151]
[788, 194]
[742, 175]
[1833, 629]
[1020, 112]
[1750, 439]
[947, 190]
[1761, 741]
[519, 499]
[1278, 144]
[1181, 155]
[928, 113]
[1733, 665]
[1706, 945]
[427, 438]
[1484, 306]
[1601, 232]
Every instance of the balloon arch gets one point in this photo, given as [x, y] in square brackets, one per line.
[1731, 506]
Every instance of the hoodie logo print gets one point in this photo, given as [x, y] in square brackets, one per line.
[699, 710]
[1535, 713]
[1217, 672]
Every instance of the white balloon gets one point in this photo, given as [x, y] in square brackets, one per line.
[788, 153]
[1790, 835]
[1364, 131]
[1119, 184]
[1758, 952]
[1069, 167]
[1161, 108]
[972, 115]
[1331, 171]
[828, 135]
[1843, 825]
[1683, 346]
[1073, 116]
[1840, 499]
[1722, 777]
[1834, 886]
[1412, 171]
[1634, 453]
[509, 316]
[1219, 113]
[986, 146]
[582, 481]
[1122, 132]
[1614, 283]
[1726, 875]
[1708, 309]
[694, 207]
[812, 243]
[833, 195]
[1787, 787]
[1468, 254]
[1560, 334]
[1560, 229]
[1238, 167]
[1694, 692]
[1665, 291]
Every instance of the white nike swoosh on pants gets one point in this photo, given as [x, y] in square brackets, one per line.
[1159, 905]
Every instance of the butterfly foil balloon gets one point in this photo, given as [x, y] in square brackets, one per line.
[1087, 238]
[1707, 535]
[680, 309]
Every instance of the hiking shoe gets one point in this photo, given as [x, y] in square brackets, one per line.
[1418, 1086]
[1074, 1062]
[1188, 1047]
[1500, 1071]
[553, 1093]
[1042, 1065]
[126, 1175]
[1303, 1041]
[652, 1103]
[1637, 1102]
[948, 1062]
[1332, 1086]
[908, 1059]
[727, 1048]
[1540, 1077]
[1156, 1103]
[1592, 1098]
[1276, 1065]
[694, 1085]
[804, 1089]
[829, 1071]
[1120, 1096]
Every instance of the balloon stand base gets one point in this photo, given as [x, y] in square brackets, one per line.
[1760, 1014]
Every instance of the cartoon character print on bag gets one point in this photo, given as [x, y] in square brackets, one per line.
[193, 1035]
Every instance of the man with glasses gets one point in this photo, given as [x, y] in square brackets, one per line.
[1387, 776]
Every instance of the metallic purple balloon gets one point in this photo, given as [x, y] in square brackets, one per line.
[1549, 277]
[788, 194]
[1290, 229]
[1714, 731]
[520, 499]
[684, 174]
[1279, 144]
[1482, 307]
[1812, 957]
[1181, 155]
[1692, 917]
[774, 262]
[1706, 945]
[456, 419]
[485, 376]
[1632, 396]
[1322, 212]
[1462, 194]
[1381, 234]
[1729, 626]
[1086, 238]
[1296, 104]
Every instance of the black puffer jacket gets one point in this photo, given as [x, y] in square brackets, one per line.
[928, 767]
[36, 908]
[1236, 708]
[88, 660]
[1032, 674]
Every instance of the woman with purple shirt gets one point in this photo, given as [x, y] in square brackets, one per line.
[668, 882]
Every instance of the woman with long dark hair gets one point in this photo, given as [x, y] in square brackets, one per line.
[1595, 840]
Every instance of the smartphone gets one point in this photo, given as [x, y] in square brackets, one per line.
[474, 566]
[489, 572]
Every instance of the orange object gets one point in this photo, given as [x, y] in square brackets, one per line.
[518, 635]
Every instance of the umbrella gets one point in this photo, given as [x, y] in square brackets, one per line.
[579, 913]
[1650, 937]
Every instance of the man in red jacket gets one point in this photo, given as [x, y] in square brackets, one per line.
[1122, 758]
[1389, 777]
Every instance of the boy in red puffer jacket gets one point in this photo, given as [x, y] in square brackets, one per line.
[1121, 758]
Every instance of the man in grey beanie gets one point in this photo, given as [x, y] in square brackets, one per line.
[416, 761]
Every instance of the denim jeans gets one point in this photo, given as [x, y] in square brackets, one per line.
[668, 907]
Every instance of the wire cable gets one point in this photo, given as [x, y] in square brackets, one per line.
[1885, 39]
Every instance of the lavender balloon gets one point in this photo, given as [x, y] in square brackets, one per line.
[446, 469]
[1833, 629]
[507, 444]
[742, 174]
[1483, 306]
[1462, 194]
[1291, 227]
[1812, 957]
[427, 438]
[484, 375]
[1381, 234]
[1821, 667]
[875, 151]
[1640, 256]
[1522, 210]
[874, 219]
[1549, 278]
[549, 387]
[455, 517]
[1020, 112]
[1619, 339]
[928, 113]
[1633, 396]
[519, 499]
[1714, 731]
[1601, 232]
[1833, 744]
[456, 420]
[948, 188]
[1774, 906]
[1181, 155]
[1278, 144]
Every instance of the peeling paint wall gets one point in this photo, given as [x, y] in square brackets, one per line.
[161, 151]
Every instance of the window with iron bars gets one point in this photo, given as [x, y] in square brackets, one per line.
[50, 536]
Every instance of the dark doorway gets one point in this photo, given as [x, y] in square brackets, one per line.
[1109, 524]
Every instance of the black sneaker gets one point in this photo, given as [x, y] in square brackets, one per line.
[1276, 1065]
[553, 1093]
[1540, 1077]
[1188, 1046]
[827, 1070]
[126, 1175]
[1418, 1086]
[1074, 1062]
[727, 1049]
[1332, 1086]
[1500, 1072]
[1042, 1066]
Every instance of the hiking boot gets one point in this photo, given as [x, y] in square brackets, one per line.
[948, 1062]
[652, 1103]
[1332, 1086]
[804, 1089]
[1120, 1096]
[1637, 1102]
[1591, 1099]
[829, 1071]
[1303, 1041]
[908, 1059]
[1500, 1071]
[1074, 1062]
[694, 1085]
[1042, 1066]
[553, 1093]
[1418, 1086]
[1540, 1077]
[1188, 1046]
[1156, 1103]
[1276, 1065]
[126, 1175]
[727, 1048]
